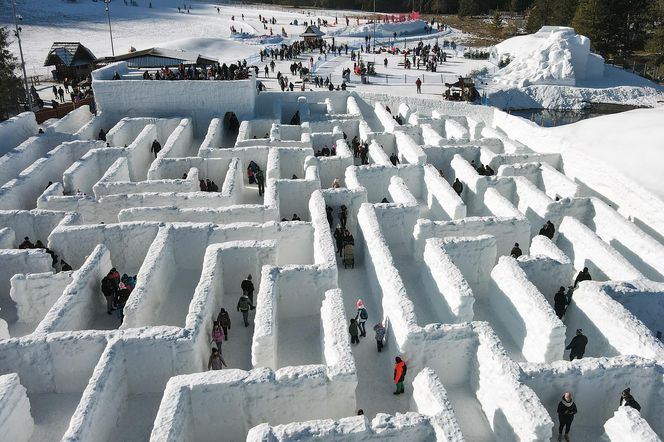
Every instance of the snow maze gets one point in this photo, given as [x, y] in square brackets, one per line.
[485, 350]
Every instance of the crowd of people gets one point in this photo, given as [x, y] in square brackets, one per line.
[222, 325]
[27, 244]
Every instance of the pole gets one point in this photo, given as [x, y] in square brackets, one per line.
[374, 30]
[110, 31]
[20, 50]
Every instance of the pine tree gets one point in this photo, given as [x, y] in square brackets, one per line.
[11, 88]
[541, 14]
[469, 7]
[590, 20]
[655, 42]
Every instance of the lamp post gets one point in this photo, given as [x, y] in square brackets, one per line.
[374, 30]
[110, 31]
[17, 34]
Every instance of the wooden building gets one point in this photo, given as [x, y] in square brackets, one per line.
[71, 60]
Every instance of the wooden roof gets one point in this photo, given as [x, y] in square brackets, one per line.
[69, 54]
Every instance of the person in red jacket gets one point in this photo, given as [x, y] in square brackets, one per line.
[418, 83]
[400, 370]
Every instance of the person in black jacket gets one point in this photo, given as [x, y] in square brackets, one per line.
[457, 186]
[248, 288]
[560, 302]
[628, 400]
[225, 321]
[578, 345]
[516, 251]
[156, 147]
[566, 412]
[584, 275]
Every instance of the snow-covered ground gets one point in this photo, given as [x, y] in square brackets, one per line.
[631, 142]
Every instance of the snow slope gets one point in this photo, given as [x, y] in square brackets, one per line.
[632, 142]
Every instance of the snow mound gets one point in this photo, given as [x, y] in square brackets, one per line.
[383, 30]
[552, 56]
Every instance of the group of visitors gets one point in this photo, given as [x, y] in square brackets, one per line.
[484, 170]
[567, 409]
[360, 150]
[27, 244]
[326, 151]
[256, 176]
[208, 185]
[116, 290]
[221, 327]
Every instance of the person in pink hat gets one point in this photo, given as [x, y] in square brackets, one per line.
[361, 317]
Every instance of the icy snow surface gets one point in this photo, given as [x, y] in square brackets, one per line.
[476, 327]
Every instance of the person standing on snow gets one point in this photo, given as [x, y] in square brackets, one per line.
[380, 335]
[156, 147]
[400, 370]
[217, 335]
[248, 288]
[627, 400]
[108, 290]
[353, 330]
[361, 317]
[584, 275]
[516, 251]
[225, 321]
[260, 180]
[457, 186]
[578, 345]
[560, 302]
[243, 305]
[418, 83]
[566, 412]
[216, 362]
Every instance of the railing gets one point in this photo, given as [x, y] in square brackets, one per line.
[60, 111]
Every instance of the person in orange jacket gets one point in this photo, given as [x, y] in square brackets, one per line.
[400, 370]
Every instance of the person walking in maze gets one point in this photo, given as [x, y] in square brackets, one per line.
[627, 400]
[343, 216]
[339, 238]
[243, 306]
[457, 186]
[560, 302]
[248, 288]
[584, 275]
[156, 147]
[353, 331]
[260, 180]
[108, 290]
[224, 321]
[516, 251]
[217, 335]
[379, 329]
[566, 411]
[216, 362]
[400, 370]
[577, 347]
[361, 317]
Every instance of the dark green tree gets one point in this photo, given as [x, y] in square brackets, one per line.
[11, 87]
[590, 20]
[469, 7]
[655, 41]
